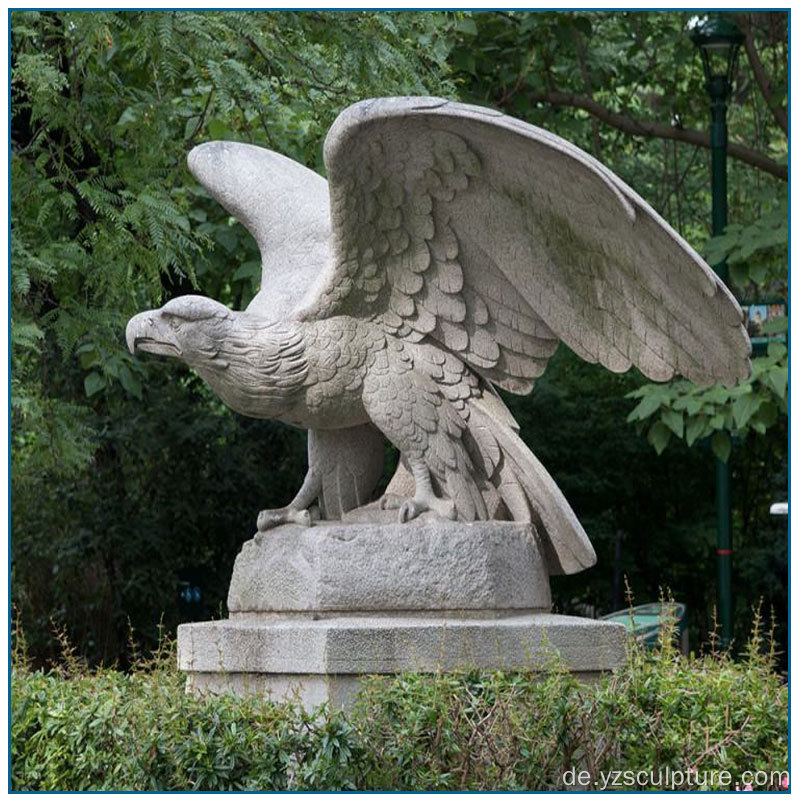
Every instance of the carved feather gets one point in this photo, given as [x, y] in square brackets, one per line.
[286, 208]
[527, 231]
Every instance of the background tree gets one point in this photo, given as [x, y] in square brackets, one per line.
[128, 475]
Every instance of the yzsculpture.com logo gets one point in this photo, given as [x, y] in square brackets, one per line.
[668, 778]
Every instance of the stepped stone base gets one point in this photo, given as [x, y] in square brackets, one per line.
[321, 659]
[313, 609]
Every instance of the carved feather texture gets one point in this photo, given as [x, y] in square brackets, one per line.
[528, 491]
[349, 463]
[519, 240]
[417, 395]
[419, 282]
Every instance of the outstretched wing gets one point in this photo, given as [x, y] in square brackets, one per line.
[285, 207]
[497, 239]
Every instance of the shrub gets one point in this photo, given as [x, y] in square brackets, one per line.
[76, 730]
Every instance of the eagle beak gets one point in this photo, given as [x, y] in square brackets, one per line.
[148, 332]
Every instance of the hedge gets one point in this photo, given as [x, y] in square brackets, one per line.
[659, 716]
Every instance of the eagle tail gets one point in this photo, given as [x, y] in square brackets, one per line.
[527, 490]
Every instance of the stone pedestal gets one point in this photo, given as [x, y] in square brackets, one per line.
[312, 609]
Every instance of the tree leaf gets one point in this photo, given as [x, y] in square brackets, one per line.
[647, 406]
[674, 421]
[227, 237]
[693, 406]
[658, 436]
[93, 383]
[740, 272]
[776, 350]
[744, 407]
[217, 129]
[758, 270]
[130, 383]
[250, 270]
[467, 25]
[767, 415]
[776, 325]
[695, 428]
[721, 445]
[127, 117]
[778, 379]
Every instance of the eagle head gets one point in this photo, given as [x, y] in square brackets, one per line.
[191, 328]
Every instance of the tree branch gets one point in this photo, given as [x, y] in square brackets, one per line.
[762, 78]
[587, 87]
[202, 118]
[636, 127]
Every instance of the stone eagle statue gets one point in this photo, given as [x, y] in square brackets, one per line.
[449, 252]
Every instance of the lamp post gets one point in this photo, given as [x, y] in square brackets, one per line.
[718, 40]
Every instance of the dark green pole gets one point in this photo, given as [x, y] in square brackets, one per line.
[718, 88]
[719, 40]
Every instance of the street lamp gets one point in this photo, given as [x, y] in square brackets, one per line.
[718, 40]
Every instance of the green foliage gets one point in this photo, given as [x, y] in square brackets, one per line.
[755, 251]
[141, 732]
[507, 732]
[643, 68]
[107, 730]
[693, 413]
[159, 509]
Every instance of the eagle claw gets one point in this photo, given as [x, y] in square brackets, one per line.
[414, 507]
[272, 517]
[391, 501]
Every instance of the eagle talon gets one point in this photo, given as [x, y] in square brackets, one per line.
[301, 518]
[272, 517]
[412, 508]
[391, 501]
